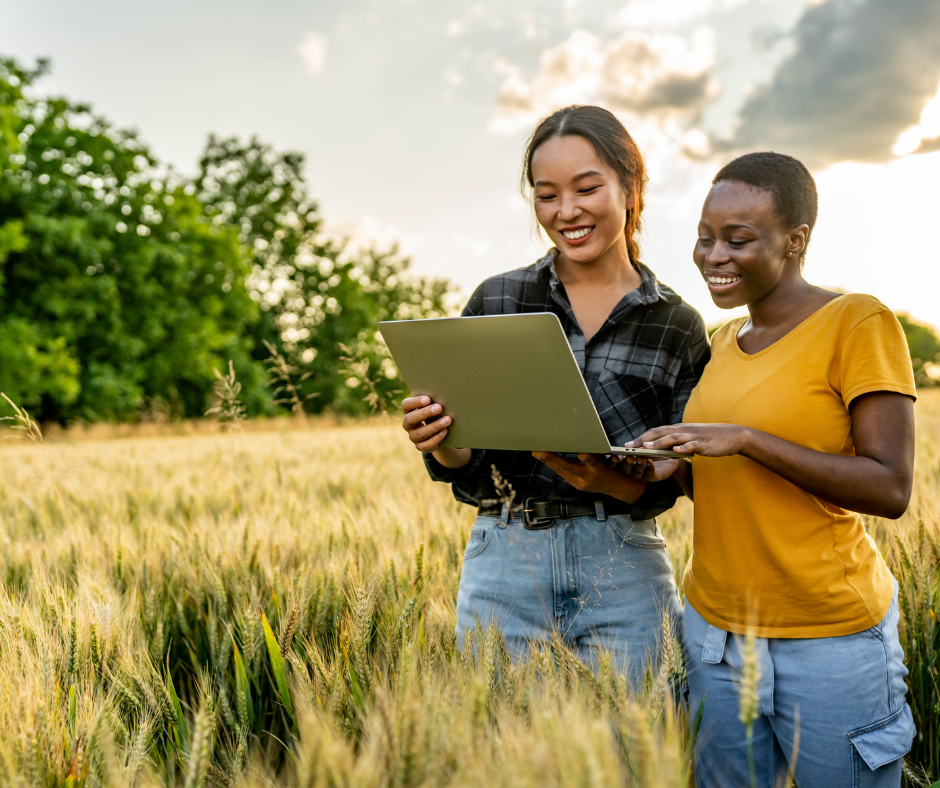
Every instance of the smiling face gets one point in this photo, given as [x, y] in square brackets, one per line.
[742, 248]
[579, 200]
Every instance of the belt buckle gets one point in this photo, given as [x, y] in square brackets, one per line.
[534, 523]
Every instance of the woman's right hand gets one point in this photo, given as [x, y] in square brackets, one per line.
[649, 470]
[426, 429]
[644, 468]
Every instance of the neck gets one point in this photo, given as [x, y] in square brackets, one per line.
[777, 307]
[613, 267]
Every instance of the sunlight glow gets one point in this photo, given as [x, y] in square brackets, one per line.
[928, 129]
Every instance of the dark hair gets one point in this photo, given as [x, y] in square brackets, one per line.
[786, 178]
[614, 146]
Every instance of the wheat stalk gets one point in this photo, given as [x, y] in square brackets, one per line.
[282, 378]
[225, 402]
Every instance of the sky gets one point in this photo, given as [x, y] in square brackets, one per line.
[413, 114]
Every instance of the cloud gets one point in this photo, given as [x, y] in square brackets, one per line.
[860, 75]
[644, 74]
[653, 14]
[312, 51]
[660, 13]
[925, 136]
[929, 145]
[453, 77]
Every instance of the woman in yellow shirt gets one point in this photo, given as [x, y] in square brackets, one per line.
[803, 418]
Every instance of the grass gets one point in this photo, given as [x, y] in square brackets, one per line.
[263, 608]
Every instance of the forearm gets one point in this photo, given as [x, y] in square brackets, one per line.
[452, 458]
[861, 484]
[626, 489]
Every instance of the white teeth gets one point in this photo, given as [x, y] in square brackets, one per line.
[723, 280]
[575, 234]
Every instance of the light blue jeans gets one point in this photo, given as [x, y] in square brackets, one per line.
[830, 709]
[600, 583]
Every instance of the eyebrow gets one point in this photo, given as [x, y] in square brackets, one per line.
[580, 177]
[728, 226]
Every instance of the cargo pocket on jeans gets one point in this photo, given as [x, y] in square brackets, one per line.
[884, 741]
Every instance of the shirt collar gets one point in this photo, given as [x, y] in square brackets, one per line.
[650, 290]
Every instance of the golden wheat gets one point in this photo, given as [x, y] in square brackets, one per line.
[277, 608]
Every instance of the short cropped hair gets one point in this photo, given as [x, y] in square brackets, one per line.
[786, 178]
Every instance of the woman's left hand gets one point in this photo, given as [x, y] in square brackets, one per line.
[707, 440]
[592, 474]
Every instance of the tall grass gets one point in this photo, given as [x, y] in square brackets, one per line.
[278, 609]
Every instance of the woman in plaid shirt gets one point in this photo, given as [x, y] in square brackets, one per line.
[569, 543]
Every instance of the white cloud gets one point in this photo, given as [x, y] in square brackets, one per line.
[654, 14]
[924, 134]
[455, 28]
[656, 75]
[453, 77]
[312, 51]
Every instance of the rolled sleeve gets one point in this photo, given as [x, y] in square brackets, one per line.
[464, 482]
[439, 473]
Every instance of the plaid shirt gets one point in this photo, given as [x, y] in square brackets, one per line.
[640, 369]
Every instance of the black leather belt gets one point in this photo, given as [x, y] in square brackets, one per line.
[537, 514]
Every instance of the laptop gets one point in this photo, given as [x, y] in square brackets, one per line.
[509, 382]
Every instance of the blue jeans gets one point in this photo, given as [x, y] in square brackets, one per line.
[599, 583]
[830, 709]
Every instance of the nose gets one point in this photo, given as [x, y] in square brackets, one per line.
[569, 210]
[718, 254]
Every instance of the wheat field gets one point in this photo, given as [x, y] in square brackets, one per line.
[274, 605]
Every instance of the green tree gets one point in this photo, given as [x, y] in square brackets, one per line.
[925, 351]
[121, 282]
[321, 299]
[115, 286]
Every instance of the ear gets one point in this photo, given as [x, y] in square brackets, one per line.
[629, 200]
[797, 239]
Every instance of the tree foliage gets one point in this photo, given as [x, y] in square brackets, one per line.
[124, 285]
[321, 299]
[114, 289]
[924, 345]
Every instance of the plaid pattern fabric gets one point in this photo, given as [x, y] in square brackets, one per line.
[640, 369]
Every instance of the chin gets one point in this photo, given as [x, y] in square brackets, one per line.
[582, 255]
[725, 302]
[585, 254]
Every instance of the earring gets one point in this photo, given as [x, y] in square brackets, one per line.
[789, 254]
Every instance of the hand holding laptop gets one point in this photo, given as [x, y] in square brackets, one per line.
[426, 429]
[593, 473]
[646, 469]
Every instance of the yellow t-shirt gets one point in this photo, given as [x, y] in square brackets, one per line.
[764, 552]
